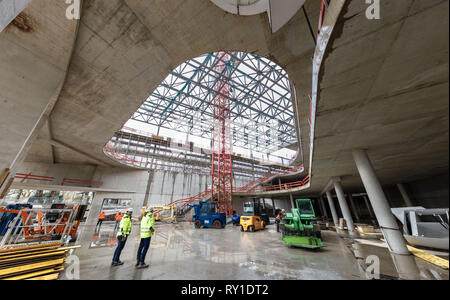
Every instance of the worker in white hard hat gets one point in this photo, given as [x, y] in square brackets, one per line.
[122, 235]
[147, 229]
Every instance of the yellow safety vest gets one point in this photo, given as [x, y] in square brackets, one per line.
[147, 222]
[125, 226]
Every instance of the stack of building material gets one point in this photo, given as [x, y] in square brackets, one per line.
[33, 262]
[365, 228]
[341, 223]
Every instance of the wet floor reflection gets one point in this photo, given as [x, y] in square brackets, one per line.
[178, 251]
[104, 236]
[261, 253]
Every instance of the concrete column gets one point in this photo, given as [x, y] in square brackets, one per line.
[343, 204]
[352, 205]
[388, 225]
[369, 208]
[320, 207]
[273, 205]
[292, 200]
[333, 209]
[95, 209]
[324, 208]
[405, 195]
[406, 266]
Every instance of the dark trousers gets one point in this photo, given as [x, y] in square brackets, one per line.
[117, 225]
[143, 248]
[278, 225]
[99, 223]
[120, 244]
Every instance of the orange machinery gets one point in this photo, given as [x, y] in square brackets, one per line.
[46, 224]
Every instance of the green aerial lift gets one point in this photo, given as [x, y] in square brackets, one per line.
[300, 228]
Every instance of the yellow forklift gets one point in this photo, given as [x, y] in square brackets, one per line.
[253, 219]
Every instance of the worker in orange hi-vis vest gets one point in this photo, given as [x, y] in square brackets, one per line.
[279, 218]
[101, 217]
[118, 217]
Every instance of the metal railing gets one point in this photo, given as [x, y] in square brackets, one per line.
[146, 151]
[279, 187]
[250, 188]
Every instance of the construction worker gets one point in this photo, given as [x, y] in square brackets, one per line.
[279, 218]
[277, 221]
[147, 229]
[101, 217]
[118, 218]
[122, 235]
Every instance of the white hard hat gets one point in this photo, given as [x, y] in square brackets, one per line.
[149, 209]
[129, 210]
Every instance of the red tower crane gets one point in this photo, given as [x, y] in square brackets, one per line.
[221, 165]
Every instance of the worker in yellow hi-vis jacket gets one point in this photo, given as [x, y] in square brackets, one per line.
[147, 229]
[122, 235]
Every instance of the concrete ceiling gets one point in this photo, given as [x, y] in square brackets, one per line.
[35, 51]
[384, 88]
[384, 84]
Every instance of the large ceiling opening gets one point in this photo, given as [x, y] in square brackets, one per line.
[262, 115]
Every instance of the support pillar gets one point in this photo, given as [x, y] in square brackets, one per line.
[333, 210]
[320, 206]
[273, 206]
[292, 200]
[405, 195]
[325, 213]
[386, 220]
[352, 205]
[369, 208]
[343, 204]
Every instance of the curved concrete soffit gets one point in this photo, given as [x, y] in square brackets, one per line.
[299, 157]
[45, 115]
[331, 18]
[279, 12]
[243, 7]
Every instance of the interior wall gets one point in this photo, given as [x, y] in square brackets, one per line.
[59, 171]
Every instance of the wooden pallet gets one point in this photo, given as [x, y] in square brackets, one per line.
[33, 262]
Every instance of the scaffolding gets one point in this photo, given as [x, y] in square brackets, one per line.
[143, 150]
[262, 113]
[221, 163]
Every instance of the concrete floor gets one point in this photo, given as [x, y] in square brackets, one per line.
[182, 252]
